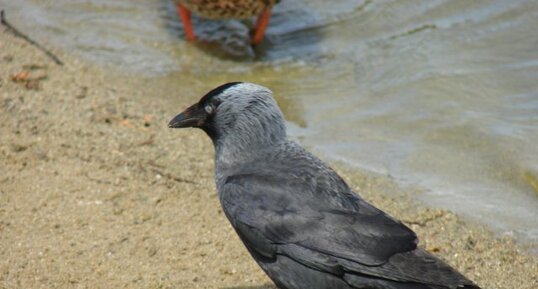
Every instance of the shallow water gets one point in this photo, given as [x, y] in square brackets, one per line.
[440, 95]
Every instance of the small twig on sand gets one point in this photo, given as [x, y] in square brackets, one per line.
[17, 33]
[172, 177]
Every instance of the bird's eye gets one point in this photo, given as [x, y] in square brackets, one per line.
[209, 109]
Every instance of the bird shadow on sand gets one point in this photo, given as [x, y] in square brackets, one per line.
[264, 286]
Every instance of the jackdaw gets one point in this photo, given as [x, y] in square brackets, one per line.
[297, 217]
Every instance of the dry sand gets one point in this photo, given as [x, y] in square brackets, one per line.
[96, 191]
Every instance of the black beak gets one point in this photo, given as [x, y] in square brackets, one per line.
[194, 116]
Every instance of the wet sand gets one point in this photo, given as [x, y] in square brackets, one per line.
[96, 191]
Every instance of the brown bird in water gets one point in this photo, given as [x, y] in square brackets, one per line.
[227, 9]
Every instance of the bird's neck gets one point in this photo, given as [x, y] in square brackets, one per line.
[248, 135]
[234, 149]
[229, 152]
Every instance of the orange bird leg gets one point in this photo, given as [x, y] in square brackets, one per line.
[185, 16]
[261, 25]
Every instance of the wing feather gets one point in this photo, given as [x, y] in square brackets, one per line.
[281, 213]
[273, 217]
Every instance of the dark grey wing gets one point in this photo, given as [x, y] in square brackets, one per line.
[286, 213]
[279, 216]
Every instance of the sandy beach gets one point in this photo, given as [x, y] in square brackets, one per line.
[97, 192]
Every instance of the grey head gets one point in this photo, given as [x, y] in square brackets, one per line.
[239, 117]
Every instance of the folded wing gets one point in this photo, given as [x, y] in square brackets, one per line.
[279, 216]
